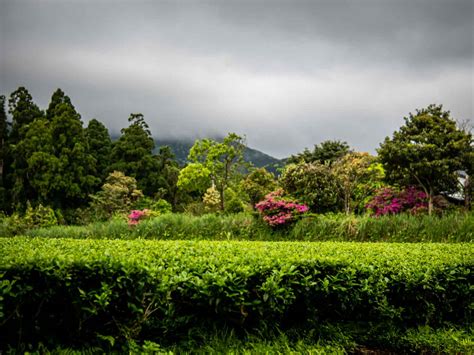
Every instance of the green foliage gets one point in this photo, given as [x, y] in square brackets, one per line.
[4, 155]
[72, 291]
[313, 184]
[40, 216]
[194, 177]
[450, 228]
[223, 161]
[235, 203]
[427, 152]
[169, 174]
[159, 206]
[257, 184]
[325, 153]
[132, 154]
[358, 177]
[116, 196]
[100, 146]
[23, 112]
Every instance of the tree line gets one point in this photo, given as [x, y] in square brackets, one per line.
[48, 158]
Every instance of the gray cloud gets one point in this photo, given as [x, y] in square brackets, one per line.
[287, 74]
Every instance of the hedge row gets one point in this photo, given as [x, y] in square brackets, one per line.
[63, 291]
[456, 227]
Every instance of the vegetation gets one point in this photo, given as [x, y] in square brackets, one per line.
[450, 228]
[84, 291]
[116, 245]
[427, 151]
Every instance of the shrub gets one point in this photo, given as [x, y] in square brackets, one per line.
[313, 184]
[390, 201]
[277, 211]
[76, 291]
[40, 216]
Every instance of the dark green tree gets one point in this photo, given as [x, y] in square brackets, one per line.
[23, 112]
[75, 178]
[258, 183]
[313, 184]
[169, 173]
[43, 167]
[55, 107]
[132, 155]
[100, 146]
[326, 152]
[427, 151]
[3, 153]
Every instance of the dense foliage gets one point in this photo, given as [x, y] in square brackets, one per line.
[427, 151]
[279, 211]
[450, 228]
[81, 291]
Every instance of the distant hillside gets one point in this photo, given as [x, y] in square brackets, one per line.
[259, 159]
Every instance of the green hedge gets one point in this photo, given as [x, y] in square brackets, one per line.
[456, 227]
[63, 291]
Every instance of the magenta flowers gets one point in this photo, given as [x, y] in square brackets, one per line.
[390, 201]
[135, 216]
[277, 211]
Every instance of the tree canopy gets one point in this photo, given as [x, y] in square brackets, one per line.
[427, 151]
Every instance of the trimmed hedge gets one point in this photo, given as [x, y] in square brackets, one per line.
[456, 227]
[60, 291]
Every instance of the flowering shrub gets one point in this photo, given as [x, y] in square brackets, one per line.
[390, 201]
[136, 215]
[277, 211]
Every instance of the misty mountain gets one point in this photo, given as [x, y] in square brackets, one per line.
[181, 147]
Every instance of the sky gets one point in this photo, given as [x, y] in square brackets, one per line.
[285, 74]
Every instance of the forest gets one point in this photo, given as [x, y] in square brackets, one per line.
[114, 245]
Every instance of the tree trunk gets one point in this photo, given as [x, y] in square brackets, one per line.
[221, 194]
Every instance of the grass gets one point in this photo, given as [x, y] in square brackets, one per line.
[324, 340]
[451, 228]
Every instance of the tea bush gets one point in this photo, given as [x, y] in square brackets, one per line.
[62, 291]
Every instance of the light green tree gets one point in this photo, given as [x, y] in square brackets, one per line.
[117, 194]
[357, 175]
[224, 161]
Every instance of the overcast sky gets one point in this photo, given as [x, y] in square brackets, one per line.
[287, 74]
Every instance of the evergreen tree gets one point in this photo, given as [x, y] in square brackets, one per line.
[325, 153]
[3, 153]
[24, 112]
[74, 177]
[43, 167]
[169, 173]
[100, 146]
[132, 155]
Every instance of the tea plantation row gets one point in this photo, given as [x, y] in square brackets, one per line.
[70, 292]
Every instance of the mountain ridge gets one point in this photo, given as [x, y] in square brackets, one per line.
[181, 147]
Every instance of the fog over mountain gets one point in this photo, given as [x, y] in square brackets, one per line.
[287, 74]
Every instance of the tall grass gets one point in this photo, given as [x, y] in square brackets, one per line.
[451, 228]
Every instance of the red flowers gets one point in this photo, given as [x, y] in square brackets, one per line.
[277, 212]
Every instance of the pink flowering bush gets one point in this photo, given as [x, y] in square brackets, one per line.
[136, 215]
[277, 211]
[390, 201]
